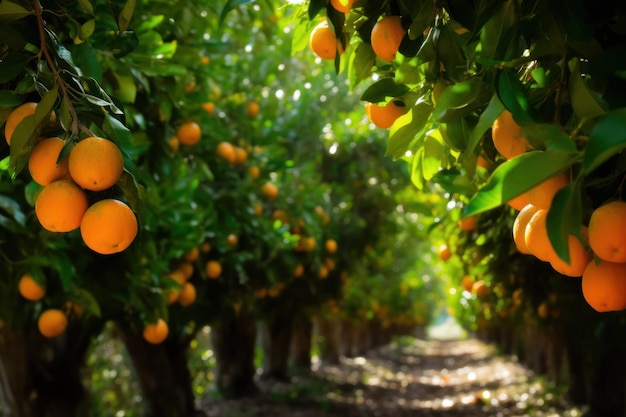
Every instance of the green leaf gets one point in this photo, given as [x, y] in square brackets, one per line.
[496, 33]
[10, 11]
[230, 6]
[424, 16]
[456, 97]
[454, 182]
[432, 157]
[512, 94]
[565, 218]
[406, 127]
[86, 29]
[12, 65]
[383, 88]
[607, 138]
[517, 176]
[360, 65]
[22, 142]
[10, 99]
[86, 300]
[584, 102]
[86, 4]
[315, 6]
[13, 209]
[42, 113]
[485, 121]
[548, 136]
[572, 15]
[126, 15]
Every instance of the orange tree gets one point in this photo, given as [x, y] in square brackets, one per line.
[527, 91]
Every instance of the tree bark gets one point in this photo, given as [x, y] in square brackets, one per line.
[276, 341]
[233, 342]
[301, 341]
[328, 340]
[162, 373]
[347, 334]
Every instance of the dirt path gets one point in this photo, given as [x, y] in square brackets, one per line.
[411, 377]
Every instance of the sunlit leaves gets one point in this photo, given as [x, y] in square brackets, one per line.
[406, 128]
[607, 138]
[584, 102]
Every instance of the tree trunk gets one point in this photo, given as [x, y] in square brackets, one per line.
[162, 373]
[301, 340]
[233, 342]
[362, 342]
[328, 340]
[41, 377]
[276, 341]
[347, 333]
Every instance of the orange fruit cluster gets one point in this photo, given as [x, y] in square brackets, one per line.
[94, 164]
[600, 258]
[235, 155]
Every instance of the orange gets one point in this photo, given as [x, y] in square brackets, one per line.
[298, 271]
[467, 283]
[254, 172]
[96, 163]
[386, 37]
[536, 237]
[384, 116]
[232, 240]
[187, 294]
[468, 224]
[253, 109]
[30, 289]
[192, 255]
[189, 133]
[507, 136]
[444, 252]
[258, 208]
[52, 322]
[330, 264]
[331, 245]
[281, 215]
[174, 144]
[323, 272]
[337, 5]
[209, 107]
[482, 162]
[185, 268]
[108, 226]
[205, 60]
[309, 243]
[519, 227]
[61, 206]
[16, 116]
[206, 247]
[226, 151]
[543, 311]
[323, 41]
[213, 269]
[270, 190]
[42, 163]
[579, 258]
[542, 194]
[607, 231]
[156, 333]
[480, 288]
[241, 156]
[604, 286]
[519, 202]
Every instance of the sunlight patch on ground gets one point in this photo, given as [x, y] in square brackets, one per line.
[446, 328]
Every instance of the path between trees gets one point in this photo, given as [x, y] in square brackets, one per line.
[410, 377]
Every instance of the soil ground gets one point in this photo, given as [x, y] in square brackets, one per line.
[409, 377]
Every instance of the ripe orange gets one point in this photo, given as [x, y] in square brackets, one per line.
[253, 109]
[108, 226]
[467, 283]
[156, 333]
[213, 269]
[607, 231]
[241, 156]
[444, 252]
[386, 37]
[258, 208]
[187, 294]
[480, 288]
[519, 202]
[232, 240]
[579, 258]
[206, 247]
[337, 5]
[468, 224]
[519, 227]
[192, 255]
[482, 162]
[174, 144]
[96, 163]
[30, 289]
[270, 190]
[604, 286]
[185, 268]
[254, 172]
[331, 246]
[323, 41]
[542, 194]
[298, 271]
[323, 272]
[330, 264]
[42, 163]
[543, 311]
[384, 116]
[536, 237]
[209, 107]
[61, 206]
[52, 322]
[507, 136]
[226, 151]
[16, 116]
[189, 133]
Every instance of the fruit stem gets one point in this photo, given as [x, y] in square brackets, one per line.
[53, 67]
